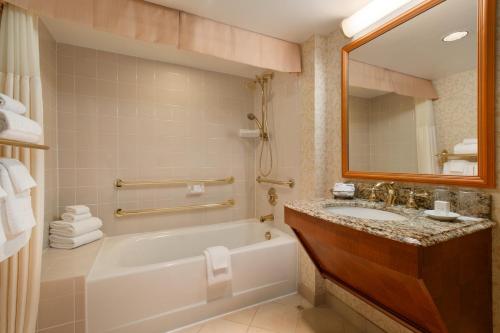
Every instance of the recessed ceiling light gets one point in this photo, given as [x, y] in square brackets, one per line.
[454, 36]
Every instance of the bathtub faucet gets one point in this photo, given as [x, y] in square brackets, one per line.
[265, 218]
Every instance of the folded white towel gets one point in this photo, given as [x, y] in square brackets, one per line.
[14, 244]
[469, 141]
[72, 229]
[216, 257]
[10, 104]
[18, 210]
[460, 168]
[60, 242]
[342, 187]
[219, 257]
[19, 174]
[465, 148]
[4, 229]
[17, 127]
[77, 209]
[70, 217]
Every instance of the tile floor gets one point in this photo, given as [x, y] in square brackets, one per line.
[291, 314]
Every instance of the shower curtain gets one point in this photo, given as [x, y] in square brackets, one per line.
[426, 137]
[20, 78]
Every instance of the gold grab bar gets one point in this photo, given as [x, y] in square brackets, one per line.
[290, 182]
[15, 143]
[444, 156]
[120, 183]
[121, 213]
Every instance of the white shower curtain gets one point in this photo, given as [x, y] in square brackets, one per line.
[426, 137]
[20, 78]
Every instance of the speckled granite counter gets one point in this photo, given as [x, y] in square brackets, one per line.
[417, 229]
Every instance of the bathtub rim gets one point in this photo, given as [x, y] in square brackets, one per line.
[113, 241]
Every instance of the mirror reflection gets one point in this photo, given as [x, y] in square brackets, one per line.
[412, 100]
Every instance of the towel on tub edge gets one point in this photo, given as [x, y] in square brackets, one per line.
[218, 261]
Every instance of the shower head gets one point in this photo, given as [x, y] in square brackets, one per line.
[251, 116]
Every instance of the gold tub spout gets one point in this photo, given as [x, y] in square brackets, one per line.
[269, 217]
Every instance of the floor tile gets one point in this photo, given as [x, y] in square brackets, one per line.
[243, 317]
[223, 326]
[258, 330]
[191, 329]
[294, 300]
[320, 320]
[276, 317]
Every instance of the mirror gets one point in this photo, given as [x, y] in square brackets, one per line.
[417, 100]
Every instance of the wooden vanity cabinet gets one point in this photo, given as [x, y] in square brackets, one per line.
[445, 287]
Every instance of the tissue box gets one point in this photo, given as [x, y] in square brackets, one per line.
[343, 191]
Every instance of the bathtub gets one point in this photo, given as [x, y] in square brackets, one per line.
[156, 282]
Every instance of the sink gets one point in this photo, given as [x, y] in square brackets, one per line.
[365, 213]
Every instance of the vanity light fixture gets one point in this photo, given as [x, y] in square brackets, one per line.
[454, 36]
[370, 14]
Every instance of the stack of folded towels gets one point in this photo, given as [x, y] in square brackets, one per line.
[14, 125]
[463, 167]
[77, 227]
[467, 146]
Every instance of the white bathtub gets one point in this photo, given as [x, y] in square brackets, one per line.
[156, 282]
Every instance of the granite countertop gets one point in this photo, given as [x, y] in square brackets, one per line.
[416, 230]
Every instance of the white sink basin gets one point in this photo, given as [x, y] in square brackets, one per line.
[365, 213]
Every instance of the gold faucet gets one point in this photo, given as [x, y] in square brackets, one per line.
[269, 217]
[390, 197]
[412, 195]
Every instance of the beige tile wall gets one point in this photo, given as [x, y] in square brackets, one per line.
[120, 116]
[48, 68]
[62, 306]
[392, 139]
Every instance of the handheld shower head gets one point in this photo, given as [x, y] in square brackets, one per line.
[251, 116]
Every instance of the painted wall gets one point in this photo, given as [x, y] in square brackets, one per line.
[48, 69]
[131, 118]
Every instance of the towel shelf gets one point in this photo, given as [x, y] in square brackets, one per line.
[120, 183]
[445, 156]
[122, 213]
[290, 183]
[6, 142]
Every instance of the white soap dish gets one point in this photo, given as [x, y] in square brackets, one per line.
[441, 216]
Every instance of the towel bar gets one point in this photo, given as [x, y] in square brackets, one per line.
[290, 182]
[120, 183]
[121, 213]
[15, 143]
[444, 156]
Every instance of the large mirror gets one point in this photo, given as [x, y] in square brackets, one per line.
[418, 97]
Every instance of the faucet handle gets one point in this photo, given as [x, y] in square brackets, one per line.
[412, 194]
[373, 194]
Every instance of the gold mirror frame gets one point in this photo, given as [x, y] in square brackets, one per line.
[485, 108]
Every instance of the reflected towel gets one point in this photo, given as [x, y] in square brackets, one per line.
[61, 242]
[17, 127]
[70, 217]
[218, 256]
[18, 210]
[460, 168]
[10, 104]
[469, 141]
[77, 209]
[72, 229]
[465, 148]
[19, 174]
[4, 229]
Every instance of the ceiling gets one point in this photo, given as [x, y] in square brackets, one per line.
[291, 20]
[416, 48]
